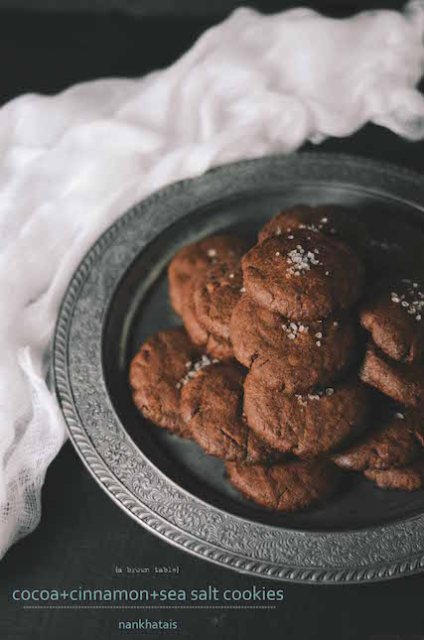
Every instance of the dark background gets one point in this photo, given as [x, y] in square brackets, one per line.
[83, 535]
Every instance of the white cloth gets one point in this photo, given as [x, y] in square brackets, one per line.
[72, 163]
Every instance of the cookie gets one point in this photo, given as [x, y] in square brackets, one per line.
[393, 313]
[306, 424]
[211, 406]
[386, 243]
[291, 356]
[216, 294]
[215, 346]
[339, 222]
[286, 486]
[408, 478]
[302, 275]
[392, 445]
[194, 258]
[156, 376]
[402, 382]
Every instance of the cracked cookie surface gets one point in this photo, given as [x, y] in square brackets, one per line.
[211, 405]
[402, 382]
[287, 355]
[157, 372]
[187, 272]
[286, 486]
[394, 444]
[303, 275]
[393, 313]
[308, 424]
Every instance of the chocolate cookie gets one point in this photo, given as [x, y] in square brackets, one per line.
[286, 486]
[156, 376]
[394, 315]
[215, 346]
[287, 355]
[194, 258]
[215, 296]
[402, 382]
[408, 478]
[188, 270]
[211, 406]
[306, 424]
[333, 220]
[392, 445]
[302, 275]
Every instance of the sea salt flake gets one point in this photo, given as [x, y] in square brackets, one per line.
[194, 368]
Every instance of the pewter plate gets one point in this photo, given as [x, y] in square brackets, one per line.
[118, 297]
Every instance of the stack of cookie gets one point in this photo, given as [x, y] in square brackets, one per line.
[264, 374]
[393, 315]
[294, 330]
[204, 285]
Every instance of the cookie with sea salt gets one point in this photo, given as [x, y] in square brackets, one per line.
[302, 275]
[187, 271]
[291, 356]
[215, 295]
[393, 313]
[197, 257]
[215, 346]
[157, 374]
[288, 486]
[340, 222]
[310, 424]
[211, 406]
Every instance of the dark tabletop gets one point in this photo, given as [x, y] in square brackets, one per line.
[83, 536]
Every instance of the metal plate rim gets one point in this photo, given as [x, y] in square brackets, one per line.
[410, 563]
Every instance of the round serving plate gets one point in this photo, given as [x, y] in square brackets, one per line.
[118, 297]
